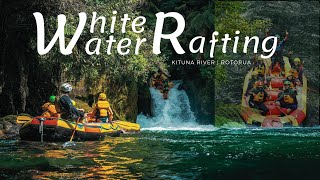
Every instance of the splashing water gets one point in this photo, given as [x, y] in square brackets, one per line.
[68, 144]
[172, 114]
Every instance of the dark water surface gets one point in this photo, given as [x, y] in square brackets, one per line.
[292, 153]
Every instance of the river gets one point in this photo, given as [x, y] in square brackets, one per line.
[252, 153]
[171, 145]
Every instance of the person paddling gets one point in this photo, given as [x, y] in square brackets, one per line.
[68, 111]
[258, 97]
[287, 98]
[102, 109]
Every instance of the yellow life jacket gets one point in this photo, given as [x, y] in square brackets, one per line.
[292, 85]
[288, 99]
[259, 97]
[50, 110]
[294, 72]
[102, 107]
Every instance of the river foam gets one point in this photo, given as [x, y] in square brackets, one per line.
[172, 114]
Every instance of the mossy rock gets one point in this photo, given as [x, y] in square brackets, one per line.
[82, 105]
[9, 118]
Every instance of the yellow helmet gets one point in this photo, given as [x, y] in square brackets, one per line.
[297, 60]
[73, 103]
[102, 96]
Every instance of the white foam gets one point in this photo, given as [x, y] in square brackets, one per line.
[171, 114]
[200, 128]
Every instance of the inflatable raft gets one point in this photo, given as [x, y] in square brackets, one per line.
[55, 129]
[273, 118]
[125, 126]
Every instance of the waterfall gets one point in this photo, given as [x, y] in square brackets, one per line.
[172, 114]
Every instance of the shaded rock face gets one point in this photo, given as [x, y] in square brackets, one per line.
[20, 74]
[123, 99]
[301, 20]
[144, 100]
[201, 105]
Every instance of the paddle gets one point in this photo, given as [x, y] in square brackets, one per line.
[293, 122]
[23, 119]
[75, 128]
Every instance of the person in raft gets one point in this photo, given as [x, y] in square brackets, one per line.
[102, 110]
[259, 72]
[258, 97]
[287, 98]
[67, 110]
[294, 81]
[74, 104]
[297, 69]
[165, 90]
[277, 57]
[49, 109]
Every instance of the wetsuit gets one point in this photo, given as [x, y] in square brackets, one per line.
[258, 103]
[299, 69]
[277, 57]
[68, 110]
[288, 99]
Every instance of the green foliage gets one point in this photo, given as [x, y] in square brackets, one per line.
[80, 65]
[227, 114]
[230, 18]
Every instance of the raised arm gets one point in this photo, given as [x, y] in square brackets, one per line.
[286, 37]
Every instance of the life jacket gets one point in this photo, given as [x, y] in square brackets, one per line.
[277, 67]
[102, 108]
[259, 97]
[292, 85]
[59, 108]
[50, 110]
[294, 72]
[288, 99]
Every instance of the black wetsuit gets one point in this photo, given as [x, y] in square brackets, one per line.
[68, 110]
[259, 105]
[293, 94]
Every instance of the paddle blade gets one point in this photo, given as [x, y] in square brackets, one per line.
[23, 119]
[68, 144]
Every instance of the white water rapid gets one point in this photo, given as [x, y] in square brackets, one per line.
[172, 114]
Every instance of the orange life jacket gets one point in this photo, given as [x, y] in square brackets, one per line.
[50, 110]
[294, 72]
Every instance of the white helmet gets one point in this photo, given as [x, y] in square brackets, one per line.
[66, 87]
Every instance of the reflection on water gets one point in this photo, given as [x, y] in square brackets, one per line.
[227, 153]
[112, 161]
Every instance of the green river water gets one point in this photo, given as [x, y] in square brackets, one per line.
[245, 153]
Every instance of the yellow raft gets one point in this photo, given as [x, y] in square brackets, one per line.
[57, 129]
